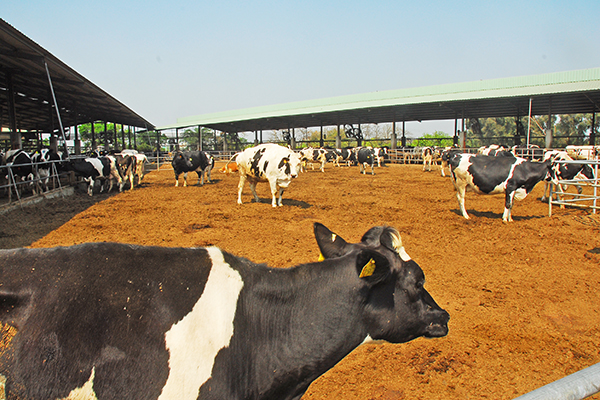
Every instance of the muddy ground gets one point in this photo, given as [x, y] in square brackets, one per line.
[523, 297]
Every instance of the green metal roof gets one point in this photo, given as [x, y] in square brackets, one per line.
[557, 93]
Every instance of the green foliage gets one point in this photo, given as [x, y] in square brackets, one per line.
[437, 138]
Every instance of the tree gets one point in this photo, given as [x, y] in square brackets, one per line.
[437, 138]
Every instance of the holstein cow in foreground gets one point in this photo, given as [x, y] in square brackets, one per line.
[118, 321]
[507, 174]
[192, 161]
[271, 163]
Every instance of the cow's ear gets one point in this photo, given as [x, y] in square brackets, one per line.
[330, 244]
[372, 267]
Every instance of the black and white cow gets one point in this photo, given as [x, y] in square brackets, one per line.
[381, 154]
[346, 155]
[493, 150]
[45, 161]
[427, 156]
[102, 168]
[565, 171]
[309, 155]
[365, 156]
[513, 176]
[192, 161]
[271, 163]
[126, 165]
[446, 154]
[112, 321]
[19, 162]
[140, 165]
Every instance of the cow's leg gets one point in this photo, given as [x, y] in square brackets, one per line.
[253, 190]
[90, 182]
[176, 179]
[372, 171]
[240, 187]
[274, 193]
[208, 171]
[131, 176]
[508, 203]
[546, 190]
[200, 174]
[185, 179]
[460, 196]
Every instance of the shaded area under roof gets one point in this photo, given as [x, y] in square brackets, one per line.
[569, 92]
[23, 63]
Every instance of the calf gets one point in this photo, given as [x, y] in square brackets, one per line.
[110, 320]
[101, 168]
[365, 156]
[513, 176]
[271, 163]
[192, 161]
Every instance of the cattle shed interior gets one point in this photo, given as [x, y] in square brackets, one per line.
[569, 92]
[34, 84]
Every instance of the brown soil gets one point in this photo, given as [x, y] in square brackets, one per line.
[523, 297]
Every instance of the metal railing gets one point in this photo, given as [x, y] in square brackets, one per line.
[582, 200]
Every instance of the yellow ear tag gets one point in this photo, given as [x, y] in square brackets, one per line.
[321, 258]
[368, 269]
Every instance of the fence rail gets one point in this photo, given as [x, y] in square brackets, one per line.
[576, 199]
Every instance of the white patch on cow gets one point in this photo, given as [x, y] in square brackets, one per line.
[368, 339]
[86, 392]
[97, 164]
[194, 342]
[397, 243]
[403, 255]
[520, 194]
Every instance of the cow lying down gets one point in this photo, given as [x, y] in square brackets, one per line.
[109, 320]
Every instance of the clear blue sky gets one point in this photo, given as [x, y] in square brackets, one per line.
[171, 59]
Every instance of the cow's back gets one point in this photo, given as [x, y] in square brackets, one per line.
[100, 309]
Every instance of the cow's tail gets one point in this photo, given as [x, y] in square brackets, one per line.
[226, 170]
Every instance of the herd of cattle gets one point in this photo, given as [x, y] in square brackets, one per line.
[19, 167]
[494, 169]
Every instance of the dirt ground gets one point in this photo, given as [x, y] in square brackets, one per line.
[523, 297]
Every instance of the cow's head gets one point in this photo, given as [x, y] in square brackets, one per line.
[291, 164]
[397, 306]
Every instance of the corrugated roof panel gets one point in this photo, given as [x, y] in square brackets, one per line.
[587, 80]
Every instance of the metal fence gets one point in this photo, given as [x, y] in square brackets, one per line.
[582, 200]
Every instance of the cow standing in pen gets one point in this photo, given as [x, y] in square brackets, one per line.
[111, 321]
[270, 163]
[192, 161]
[97, 168]
[513, 176]
[365, 156]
